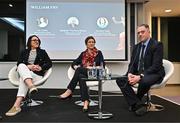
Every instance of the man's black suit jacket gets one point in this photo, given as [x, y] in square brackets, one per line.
[152, 59]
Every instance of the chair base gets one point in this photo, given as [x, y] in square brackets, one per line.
[31, 102]
[155, 107]
[92, 103]
[100, 115]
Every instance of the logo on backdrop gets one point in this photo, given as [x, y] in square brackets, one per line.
[73, 22]
[102, 22]
[42, 22]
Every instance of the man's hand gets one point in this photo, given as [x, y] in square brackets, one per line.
[133, 79]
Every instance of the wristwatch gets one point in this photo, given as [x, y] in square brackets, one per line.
[141, 75]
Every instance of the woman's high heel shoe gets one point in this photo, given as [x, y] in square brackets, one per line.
[65, 98]
[86, 109]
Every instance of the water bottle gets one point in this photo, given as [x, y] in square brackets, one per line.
[94, 71]
[108, 74]
[101, 71]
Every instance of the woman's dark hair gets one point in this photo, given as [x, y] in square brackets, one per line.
[89, 37]
[30, 39]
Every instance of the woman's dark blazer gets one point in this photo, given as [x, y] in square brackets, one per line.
[42, 59]
[98, 59]
[152, 59]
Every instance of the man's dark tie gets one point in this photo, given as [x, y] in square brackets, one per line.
[141, 59]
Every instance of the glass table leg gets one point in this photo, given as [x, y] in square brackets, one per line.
[100, 114]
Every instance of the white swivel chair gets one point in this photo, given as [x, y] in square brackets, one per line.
[88, 83]
[169, 69]
[14, 79]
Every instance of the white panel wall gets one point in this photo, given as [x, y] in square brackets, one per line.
[59, 78]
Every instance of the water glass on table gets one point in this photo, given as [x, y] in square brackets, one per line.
[108, 73]
[92, 73]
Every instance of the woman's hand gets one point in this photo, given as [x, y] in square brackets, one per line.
[30, 67]
[33, 67]
[89, 67]
[37, 68]
[76, 66]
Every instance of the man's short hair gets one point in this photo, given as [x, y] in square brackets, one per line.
[145, 25]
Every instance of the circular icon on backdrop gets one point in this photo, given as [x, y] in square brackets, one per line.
[42, 22]
[73, 21]
[102, 22]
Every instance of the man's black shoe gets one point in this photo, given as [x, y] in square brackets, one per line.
[141, 110]
[132, 108]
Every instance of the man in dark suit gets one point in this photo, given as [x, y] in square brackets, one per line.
[145, 68]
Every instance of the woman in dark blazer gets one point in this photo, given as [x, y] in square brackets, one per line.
[85, 61]
[31, 66]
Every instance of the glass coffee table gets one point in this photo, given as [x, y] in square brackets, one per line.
[100, 114]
